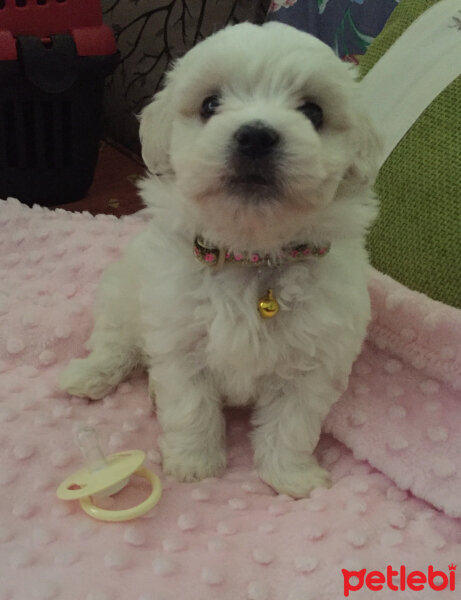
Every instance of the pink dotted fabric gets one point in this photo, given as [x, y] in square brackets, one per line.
[402, 411]
[393, 447]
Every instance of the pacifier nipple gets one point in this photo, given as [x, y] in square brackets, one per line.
[90, 448]
[94, 458]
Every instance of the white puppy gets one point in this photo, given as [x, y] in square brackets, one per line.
[266, 160]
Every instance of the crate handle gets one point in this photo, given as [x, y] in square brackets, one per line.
[52, 70]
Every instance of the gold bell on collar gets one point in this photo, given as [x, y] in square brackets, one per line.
[268, 306]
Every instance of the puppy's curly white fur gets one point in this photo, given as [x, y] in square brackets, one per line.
[262, 142]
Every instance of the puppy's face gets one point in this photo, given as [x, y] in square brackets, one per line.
[260, 126]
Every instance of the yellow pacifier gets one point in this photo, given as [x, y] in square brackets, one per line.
[105, 476]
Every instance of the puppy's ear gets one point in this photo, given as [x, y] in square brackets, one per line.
[365, 166]
[155, 130]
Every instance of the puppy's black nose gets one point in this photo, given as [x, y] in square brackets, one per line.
[256, 139]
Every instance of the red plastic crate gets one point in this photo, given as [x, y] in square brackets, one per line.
[54, 56]
[80, 18]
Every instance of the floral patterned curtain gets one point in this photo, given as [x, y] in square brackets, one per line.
[348, 26]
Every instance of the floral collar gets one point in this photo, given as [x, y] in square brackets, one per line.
[217, 257]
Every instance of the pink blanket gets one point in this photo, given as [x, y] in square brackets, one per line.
[393, 444]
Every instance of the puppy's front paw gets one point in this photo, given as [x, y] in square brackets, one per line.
[82, 379]
[298, 480]
[186, 466]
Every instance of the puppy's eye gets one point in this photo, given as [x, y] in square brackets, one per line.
[313, 112]
[209, 106]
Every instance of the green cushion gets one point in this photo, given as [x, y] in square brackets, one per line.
[416, 238]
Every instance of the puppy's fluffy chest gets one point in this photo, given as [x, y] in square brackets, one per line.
[221, 330]
[209, 319]
[241, 347]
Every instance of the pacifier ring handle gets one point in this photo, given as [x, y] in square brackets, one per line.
[127, 514]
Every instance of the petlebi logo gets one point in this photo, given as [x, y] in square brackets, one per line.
[400, 579]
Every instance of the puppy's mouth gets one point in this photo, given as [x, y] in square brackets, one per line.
[251, 180]
[252, 188]
[253, 183]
